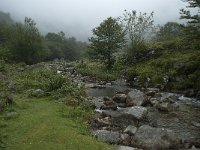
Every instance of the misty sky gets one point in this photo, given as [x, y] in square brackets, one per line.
[77, 17]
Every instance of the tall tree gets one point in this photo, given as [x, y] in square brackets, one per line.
[193, 24]
[138, 27]
[26, 43]
[107, 39]
[169, 31]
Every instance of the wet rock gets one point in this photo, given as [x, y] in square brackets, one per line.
[109, 105]
[154, 101]
[37, 93]
[150, 93]
[196, 124]
[104, 121]
[108, 136]
[130, 130]
[188, 143]
[97, 102]
[107, 99]
[156, 138]
[108, 84]
[156, 90]
[127, 148]
[136, 97]
[126, 139]
[167, 107]
[137, 112]
[120, 98]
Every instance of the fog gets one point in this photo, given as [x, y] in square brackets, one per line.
[78, 17]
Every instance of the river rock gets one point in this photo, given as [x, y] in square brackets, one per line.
[120, 98]
[108, 136]
[137, 112]
[130, 130]
[126, 139]
[127, 148]
[97, 102]
[109, 105]
[167, 107]
[188, 143]
[136, 97]
[156, 138]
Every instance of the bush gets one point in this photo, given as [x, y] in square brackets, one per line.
[96, 70]
[38, 78]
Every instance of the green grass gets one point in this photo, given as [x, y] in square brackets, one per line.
[44, 125]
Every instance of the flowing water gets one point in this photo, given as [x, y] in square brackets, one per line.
[185, 121]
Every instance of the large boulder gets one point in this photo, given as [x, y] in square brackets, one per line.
[136, 97]
[108, 136]
[137, 112]
[156, 138]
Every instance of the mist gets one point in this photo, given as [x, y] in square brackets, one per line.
[77, 18]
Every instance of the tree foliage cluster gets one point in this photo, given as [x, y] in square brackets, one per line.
[22, 42]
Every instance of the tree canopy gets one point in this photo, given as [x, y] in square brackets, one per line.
[107, 39]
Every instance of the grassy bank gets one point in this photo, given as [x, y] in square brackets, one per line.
[46, 124]
[54, 118]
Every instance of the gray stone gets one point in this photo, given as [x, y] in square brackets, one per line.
[167, 107]
[37, 93]
[120, 98]
[196, 124]
[156, 90]
[10, 115]
[11, 86]
[108, 136]
[156, 138]
[136, 97]
[137, 112]
[130, 130]
[127, 148]
[97, 102]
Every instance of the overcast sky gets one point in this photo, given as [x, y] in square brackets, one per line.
[77, 17]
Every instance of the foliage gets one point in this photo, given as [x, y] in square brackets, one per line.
[61, 47]
[193, 27]
[49, 125]
[96, 70]
[169, 31]
[138, 28]
[26, 43]
[107, 39]
[180, 69]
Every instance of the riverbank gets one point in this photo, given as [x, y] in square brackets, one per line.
[41, 123]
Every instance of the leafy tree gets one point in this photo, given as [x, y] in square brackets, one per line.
[26, 43]
[62, 47]
[193, 24]
[138, 28]
[107, 39]
[169, 31]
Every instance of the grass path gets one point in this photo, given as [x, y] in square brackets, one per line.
[41, 126]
